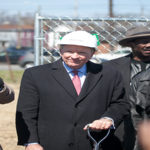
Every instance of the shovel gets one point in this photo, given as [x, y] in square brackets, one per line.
[97, 143]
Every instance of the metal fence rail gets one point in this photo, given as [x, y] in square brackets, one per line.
[48, 31]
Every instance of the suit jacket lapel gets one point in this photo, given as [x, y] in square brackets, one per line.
[62, 77]
[93, 76]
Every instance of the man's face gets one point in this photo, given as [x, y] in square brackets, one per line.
[141, 49]
[76, 56]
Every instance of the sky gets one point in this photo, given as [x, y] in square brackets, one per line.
[74, 8]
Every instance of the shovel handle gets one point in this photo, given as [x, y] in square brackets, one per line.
[97, 144]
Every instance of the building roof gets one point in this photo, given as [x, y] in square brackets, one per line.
[10, 27]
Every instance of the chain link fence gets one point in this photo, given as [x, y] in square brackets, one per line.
[48, 31]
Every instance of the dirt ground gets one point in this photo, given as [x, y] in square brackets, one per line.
[8, 137]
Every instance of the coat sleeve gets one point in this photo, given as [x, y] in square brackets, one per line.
[27, 110]
[118, 107]
[6, 95]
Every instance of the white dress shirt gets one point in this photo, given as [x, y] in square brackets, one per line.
[81, 72]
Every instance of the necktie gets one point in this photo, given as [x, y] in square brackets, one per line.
[76, 81]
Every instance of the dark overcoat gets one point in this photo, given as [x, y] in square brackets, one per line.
[50, 112]
[125, 132]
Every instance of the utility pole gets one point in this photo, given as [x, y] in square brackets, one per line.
[111, 8]
[111, 23]
[75, 8]
[39, 9]
[141, 8]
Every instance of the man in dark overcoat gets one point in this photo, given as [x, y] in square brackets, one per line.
[53, 112]
[138, 61]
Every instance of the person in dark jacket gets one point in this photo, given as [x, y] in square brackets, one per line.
[6, 95]
[53, 111]
[140, 100]
[138, 39]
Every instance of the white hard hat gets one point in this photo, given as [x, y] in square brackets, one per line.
[80, 38]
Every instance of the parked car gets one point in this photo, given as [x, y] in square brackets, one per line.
[13, 54]
[27, 60]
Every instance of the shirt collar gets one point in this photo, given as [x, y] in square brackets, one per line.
[82, 69]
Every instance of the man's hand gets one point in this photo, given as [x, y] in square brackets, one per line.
[101, 124]
[34, 147]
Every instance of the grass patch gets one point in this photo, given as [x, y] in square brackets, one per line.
[11, 77]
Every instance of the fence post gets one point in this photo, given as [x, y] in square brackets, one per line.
[42, 43]
[36, 39]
